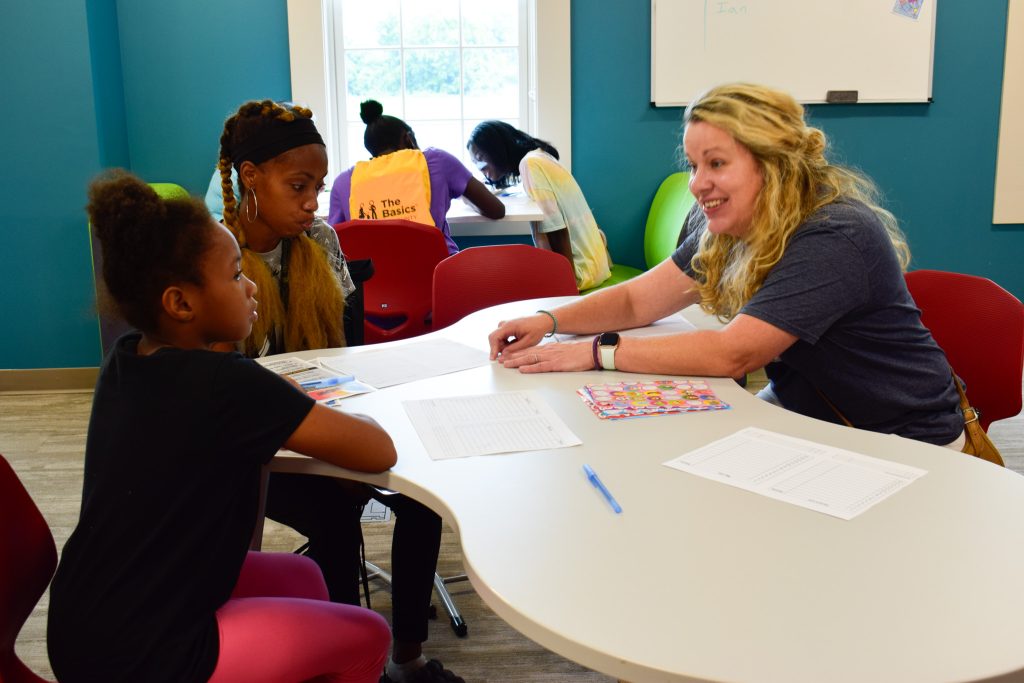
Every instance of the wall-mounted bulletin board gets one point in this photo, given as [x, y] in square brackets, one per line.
[1009, 192]
[817, 50]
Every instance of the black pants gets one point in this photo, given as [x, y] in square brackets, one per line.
[327, 510]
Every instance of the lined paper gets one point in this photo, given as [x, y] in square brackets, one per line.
[506, 422]
[835, 481]
[407, 362]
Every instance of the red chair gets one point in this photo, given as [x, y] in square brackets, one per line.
[980, 326]
[29, 558]
[396, 301]
[479, 277]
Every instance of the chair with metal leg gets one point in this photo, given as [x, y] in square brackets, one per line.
[372, 571]
[458, 624]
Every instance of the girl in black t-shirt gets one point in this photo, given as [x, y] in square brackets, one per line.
[155, 582]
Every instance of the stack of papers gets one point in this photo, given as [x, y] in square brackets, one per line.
[322, 385]
[407, 362]
[641, 398]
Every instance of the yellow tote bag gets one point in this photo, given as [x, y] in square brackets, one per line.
[395, 185]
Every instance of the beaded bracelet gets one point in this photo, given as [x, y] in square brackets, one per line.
[597, 356]
[554, 323]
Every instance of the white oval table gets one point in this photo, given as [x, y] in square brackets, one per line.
[700, 581]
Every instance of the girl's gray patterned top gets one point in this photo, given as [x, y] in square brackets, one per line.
[324, 235]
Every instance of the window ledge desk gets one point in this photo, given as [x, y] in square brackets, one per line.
[520, 212]
[700, 581]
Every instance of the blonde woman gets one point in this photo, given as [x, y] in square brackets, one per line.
[798, 259]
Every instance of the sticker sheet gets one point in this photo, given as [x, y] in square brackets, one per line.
[646, 397]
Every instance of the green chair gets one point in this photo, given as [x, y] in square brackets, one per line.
[170, 190]
[620, 273]
[664, 221]
[671, 204]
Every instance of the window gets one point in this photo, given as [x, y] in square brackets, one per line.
[441, 65]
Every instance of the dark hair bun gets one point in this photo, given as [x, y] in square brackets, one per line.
[122, 207]
[147, 242]
[370, 111]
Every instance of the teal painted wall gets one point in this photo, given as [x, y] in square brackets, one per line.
[107, 84]
[147, 84]
[187, 67]
[50, 149]
[143, 84]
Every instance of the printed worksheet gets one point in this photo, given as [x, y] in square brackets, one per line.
[506, 422]
[375, 511]
[295, 368]
[837, 482]
[407, 362]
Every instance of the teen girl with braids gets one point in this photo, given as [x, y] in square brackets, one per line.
[294, 258]
[156, 582]
[798, 256]
[291, 255]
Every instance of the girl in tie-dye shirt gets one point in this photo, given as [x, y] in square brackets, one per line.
[505, 155]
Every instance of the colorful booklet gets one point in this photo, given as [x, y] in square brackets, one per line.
[646, 397]
[322, 385]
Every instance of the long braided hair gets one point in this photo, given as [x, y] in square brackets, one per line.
[798, 180]
[312, 316]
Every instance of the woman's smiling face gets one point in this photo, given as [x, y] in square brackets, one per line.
[725, 178]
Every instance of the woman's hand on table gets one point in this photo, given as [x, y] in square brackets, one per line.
[516, 335]
[559, 357]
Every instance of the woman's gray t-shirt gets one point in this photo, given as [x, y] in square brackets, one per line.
[860, 342]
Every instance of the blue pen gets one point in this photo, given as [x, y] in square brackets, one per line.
[599, 485]
[326, 382]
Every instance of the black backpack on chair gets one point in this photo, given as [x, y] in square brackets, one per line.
[361, 271]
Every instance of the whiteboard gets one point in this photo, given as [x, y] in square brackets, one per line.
[804, 47]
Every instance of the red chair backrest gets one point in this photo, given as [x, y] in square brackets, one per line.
[980, 326]
[28, 557]
[396, 300]
[479, 277]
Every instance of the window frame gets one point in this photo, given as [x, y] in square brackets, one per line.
[548, 92]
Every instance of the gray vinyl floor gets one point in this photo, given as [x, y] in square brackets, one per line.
[43, 436]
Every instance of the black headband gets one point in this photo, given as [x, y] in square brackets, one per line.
[280, 138]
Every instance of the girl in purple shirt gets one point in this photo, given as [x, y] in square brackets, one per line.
[449, 179]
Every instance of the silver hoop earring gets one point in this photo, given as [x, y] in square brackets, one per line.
[255, 203]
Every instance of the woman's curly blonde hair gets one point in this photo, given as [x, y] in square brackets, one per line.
[315, 306]
[798, 180]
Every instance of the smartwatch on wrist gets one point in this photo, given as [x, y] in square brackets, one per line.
[606, 345]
